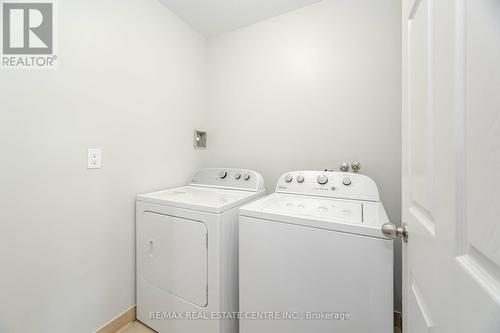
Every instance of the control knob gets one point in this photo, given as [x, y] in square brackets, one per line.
[246, 176]
[322, 179]
[346, 181]
[300, 178]
[288, 178]
[222, 174]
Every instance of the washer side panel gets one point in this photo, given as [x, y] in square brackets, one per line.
[299, 270]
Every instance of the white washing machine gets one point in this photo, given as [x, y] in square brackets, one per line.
[313, 257]
[187, 251]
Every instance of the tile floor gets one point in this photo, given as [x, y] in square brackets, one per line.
[138, 327]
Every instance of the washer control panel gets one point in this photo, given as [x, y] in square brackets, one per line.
[229, 178]
[342, 185]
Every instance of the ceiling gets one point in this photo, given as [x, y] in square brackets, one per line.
[216, 17]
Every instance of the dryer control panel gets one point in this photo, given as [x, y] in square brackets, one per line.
[341, 185]
[229, 178]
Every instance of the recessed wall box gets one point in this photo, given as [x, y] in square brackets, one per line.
[200, 139]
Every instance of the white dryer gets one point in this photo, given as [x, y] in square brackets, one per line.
[187, 251]
[313, 257]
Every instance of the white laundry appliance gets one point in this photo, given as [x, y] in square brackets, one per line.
[187, 251]
[313, 257]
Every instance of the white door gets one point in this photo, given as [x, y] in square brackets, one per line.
[451, 165]
[174, 256]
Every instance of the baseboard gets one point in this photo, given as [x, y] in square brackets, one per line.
[119, 322]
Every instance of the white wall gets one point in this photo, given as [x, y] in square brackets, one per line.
[130, 81]
[305, 90]
[310, 89]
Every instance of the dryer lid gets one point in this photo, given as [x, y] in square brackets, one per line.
[212, 190]
[206, 199]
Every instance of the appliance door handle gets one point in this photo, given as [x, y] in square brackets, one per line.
[151, 247]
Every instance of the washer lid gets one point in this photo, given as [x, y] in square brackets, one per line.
[207, 199]
[350, 216]
[332, 210]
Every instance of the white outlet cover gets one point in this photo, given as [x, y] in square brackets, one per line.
[94, 160]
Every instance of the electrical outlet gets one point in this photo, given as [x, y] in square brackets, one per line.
[94, 159]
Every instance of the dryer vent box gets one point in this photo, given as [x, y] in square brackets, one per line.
[200, 139]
